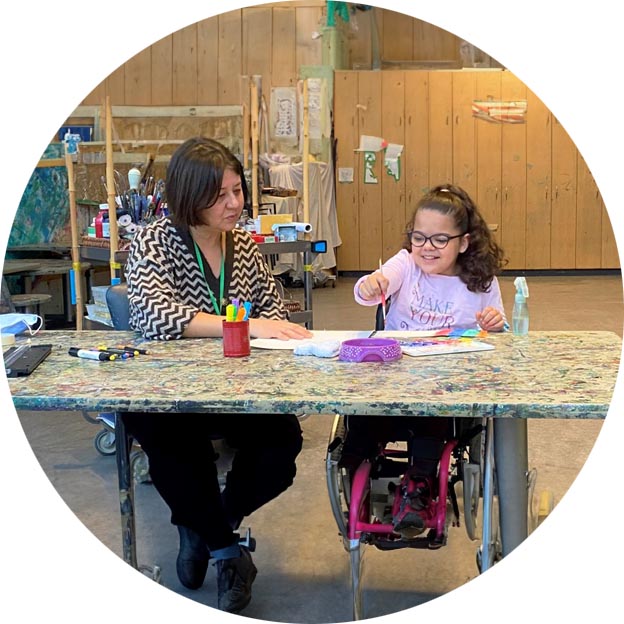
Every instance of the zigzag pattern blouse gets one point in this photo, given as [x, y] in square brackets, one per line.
[166, 287]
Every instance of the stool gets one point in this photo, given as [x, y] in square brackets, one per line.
[31, 304]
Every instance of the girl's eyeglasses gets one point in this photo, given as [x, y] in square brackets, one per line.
[438, 241]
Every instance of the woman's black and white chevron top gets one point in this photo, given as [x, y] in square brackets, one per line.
[166, 287]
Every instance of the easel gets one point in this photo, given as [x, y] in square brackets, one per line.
[115, 267]
[75, 248]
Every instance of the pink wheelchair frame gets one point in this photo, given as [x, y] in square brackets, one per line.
[435, 513]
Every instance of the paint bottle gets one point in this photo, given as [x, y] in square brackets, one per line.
[99, 220]
[520, 318]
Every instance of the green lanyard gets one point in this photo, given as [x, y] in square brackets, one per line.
[217, 308]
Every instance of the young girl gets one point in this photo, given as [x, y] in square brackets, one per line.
[444, 277]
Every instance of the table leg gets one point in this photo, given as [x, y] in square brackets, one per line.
[67, 300]
[123, 444]
[511, 460]
[308, 283]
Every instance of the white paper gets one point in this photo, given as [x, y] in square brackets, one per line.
[370, 144]
[318, 336]
[345, 174]
[444, 347]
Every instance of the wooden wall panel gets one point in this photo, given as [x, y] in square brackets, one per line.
[538, 161]
[116, 86]
[464, 136]
[369, 123]
[609, 258]
[440, 128]
[564, 170]
[489, 145]
[588, 219]
[257, 45]
[207, 68]
[284, 48]
[347, 196]
[97, 96]
[393, 191]
[230, 57]
[162, 72]
[432, 43]
[397, 37]
[513, 178]
[185, 66]
[138, 79]
[308, 49]
[360, 47]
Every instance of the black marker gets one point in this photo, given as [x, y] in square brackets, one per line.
[91, 355]
[120, 352]
[135, 350]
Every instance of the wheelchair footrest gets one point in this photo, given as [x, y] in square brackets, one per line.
[429, 542]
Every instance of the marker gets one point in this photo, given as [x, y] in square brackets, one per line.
[120, 352]
[247, 306]
[135, 350]
[91, 355]
[230, 313]
[240, 315]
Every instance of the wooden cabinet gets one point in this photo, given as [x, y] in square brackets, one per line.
[528, 179]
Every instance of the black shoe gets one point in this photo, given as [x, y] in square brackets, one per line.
[192, 561]
[234, 579]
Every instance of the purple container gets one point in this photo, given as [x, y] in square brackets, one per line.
[370, 350]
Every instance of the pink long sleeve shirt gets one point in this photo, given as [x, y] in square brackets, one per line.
[421, 301]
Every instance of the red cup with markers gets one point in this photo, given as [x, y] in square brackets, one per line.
[236, 338]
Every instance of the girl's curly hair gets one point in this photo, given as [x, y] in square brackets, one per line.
[484, 258]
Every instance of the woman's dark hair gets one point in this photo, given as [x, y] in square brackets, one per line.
[484, 258]
[194, 177]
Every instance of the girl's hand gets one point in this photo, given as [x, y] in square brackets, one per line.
[491, 319]
[284, 330]
[372, 287]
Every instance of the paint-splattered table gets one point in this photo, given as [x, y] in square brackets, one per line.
[542, 375]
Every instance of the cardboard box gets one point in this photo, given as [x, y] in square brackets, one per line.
[265, 222]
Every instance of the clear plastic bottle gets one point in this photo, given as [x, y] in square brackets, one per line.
[520, 316]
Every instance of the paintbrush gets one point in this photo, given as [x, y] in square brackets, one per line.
[383, 298]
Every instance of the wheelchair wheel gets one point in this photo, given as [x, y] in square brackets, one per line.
[491, 549]
[471, 487]
[104, 442]
[338, 482]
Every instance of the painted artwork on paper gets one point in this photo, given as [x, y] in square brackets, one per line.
[497, 111]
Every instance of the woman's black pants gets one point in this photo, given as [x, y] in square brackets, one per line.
[183, 469]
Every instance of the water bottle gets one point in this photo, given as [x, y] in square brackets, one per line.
[520, 316]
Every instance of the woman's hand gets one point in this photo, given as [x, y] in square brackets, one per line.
[373, 286]
[283, 330]
[491, 319]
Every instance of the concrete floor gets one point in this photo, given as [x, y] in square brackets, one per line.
[303, 569]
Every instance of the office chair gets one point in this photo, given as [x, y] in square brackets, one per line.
[118, 306]
[119, 309]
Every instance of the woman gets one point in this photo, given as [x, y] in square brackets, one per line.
[182, 270]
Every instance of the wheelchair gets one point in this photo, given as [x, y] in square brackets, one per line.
[364, 499]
